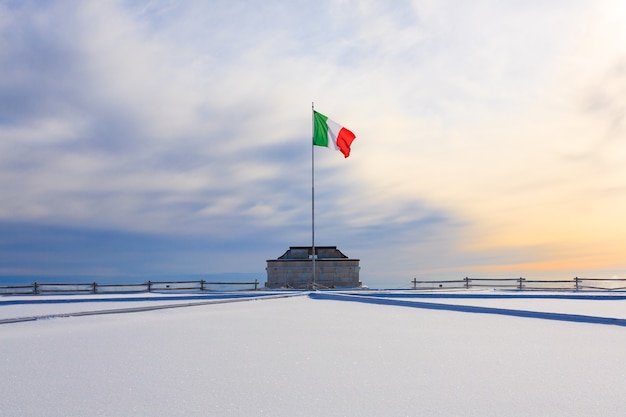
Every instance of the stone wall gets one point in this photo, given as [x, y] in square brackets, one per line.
[294, 269]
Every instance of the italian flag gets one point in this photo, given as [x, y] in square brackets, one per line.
[326, 131]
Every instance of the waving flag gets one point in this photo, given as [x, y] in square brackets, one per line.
[326, 131]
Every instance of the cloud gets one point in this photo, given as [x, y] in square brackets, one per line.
[482, 128]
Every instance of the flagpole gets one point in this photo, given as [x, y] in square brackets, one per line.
[313, 191]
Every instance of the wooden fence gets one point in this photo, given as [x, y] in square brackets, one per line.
[150, 286]
[575, 284]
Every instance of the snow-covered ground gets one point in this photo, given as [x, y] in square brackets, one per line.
[17, 308]
[308, 356]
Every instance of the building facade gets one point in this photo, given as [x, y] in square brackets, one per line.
[294, 269]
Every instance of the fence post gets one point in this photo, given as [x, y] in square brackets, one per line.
[467, 281]
[256, 284]
[521, 283]
[36, 288]
[202, 285]
[576, 281]
[414, 283]
[95, 287]
[149, 286]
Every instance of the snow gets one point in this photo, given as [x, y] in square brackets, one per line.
[304, 356]
[605, 306]
[15, 307]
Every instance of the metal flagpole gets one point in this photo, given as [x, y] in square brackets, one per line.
[313, 192]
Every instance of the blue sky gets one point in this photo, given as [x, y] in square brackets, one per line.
[145, 138]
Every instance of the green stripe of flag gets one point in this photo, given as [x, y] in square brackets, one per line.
[320, 129]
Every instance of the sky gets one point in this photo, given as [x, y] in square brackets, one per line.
[145, 139]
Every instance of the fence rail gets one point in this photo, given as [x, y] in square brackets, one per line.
[521, 283]
[150, 286]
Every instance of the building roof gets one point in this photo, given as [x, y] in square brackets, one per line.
[304, 253]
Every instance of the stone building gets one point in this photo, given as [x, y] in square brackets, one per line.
[294, 269]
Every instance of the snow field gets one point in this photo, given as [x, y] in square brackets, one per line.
[305, 357]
